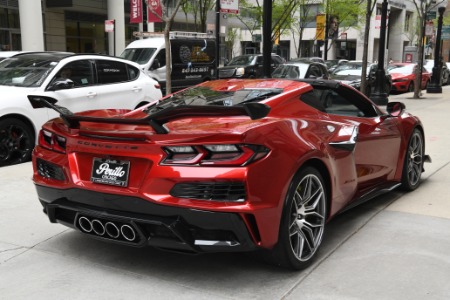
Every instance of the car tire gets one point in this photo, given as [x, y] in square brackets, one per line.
[411, 87]
[303, 220]
[16, 141]
[413, 163]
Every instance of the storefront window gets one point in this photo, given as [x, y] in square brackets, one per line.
[85, 33]
[9, 29]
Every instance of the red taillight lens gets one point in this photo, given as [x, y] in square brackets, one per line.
[214, 155]
[51, 141]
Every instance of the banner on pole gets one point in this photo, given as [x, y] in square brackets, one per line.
[320, 27]
[136, 15]
[153, 16]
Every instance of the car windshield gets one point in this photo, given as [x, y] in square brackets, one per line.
[286, 71]
[348, 66]
[241, 60]
[203, 96]
[408, 69]
[27, 70]
[138, 55]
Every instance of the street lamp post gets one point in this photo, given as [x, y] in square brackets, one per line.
[435, 85]
[379, 95]
[217, 33]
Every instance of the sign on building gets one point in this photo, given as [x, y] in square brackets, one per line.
[229, 6]
[109, 25]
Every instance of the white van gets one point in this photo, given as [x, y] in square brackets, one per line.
[193, 57]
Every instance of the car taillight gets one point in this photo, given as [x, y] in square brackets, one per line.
[52, 141]
[214, 155]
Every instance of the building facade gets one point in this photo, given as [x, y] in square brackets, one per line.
[79, 26]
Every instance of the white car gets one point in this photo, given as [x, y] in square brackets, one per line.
[78, 82]
[6, 54]
[300, 70]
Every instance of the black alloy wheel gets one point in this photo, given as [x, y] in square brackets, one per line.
[16, 142]
[413, 163]
[303, 221]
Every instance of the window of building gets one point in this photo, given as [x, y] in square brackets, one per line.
[407, 21]
[85, 33]
[9, 29]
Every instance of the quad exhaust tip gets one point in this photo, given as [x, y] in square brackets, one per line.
[107, 229]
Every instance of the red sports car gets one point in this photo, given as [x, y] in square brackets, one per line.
[404, 77]
[228, 165]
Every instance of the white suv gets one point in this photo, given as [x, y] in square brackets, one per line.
[78, 81]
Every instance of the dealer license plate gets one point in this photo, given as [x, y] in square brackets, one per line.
[112, 172]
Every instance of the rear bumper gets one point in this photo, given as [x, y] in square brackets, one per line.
[160, 226]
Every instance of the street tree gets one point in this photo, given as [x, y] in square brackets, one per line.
[341, 15]
[302, 16]
[167, 18]
[423, 7]
[282, 16]
[370, 6]
[199, 10]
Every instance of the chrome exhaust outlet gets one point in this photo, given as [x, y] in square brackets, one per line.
[98, 227]
[85, 224]
[112, 230]
[128, 232]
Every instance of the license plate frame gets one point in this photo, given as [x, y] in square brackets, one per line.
[110, 171]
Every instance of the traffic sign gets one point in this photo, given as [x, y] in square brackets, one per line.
[445, 33]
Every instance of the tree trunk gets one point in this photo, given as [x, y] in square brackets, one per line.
[168, 58]
[418, 81]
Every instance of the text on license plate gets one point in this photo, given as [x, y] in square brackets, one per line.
[112, 172]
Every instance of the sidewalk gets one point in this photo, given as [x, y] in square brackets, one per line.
[394, 247]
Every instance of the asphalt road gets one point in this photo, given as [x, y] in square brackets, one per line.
[394, 247]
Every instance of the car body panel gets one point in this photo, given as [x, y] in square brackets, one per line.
[358, 149]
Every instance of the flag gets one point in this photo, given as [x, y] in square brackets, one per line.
[320, 27]
[156, 6]
[136, 11]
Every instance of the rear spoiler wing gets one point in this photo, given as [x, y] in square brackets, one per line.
[157, 120]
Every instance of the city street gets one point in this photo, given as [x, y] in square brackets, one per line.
[395, 247]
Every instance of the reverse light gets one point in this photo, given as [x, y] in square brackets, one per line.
[52, 141]
[214, 155]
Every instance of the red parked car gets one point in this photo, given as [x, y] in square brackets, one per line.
[228, 165]
[404, 76]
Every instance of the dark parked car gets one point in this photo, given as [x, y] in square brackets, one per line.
[225, 166]
[350, 73]
[248, 66]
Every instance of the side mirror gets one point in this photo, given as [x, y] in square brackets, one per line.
[395, 109]
[61, 84]
[155, 65]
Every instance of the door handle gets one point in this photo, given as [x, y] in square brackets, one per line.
[136, 89]
[91, 94]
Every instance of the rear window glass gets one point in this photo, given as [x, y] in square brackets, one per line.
[110, 71]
